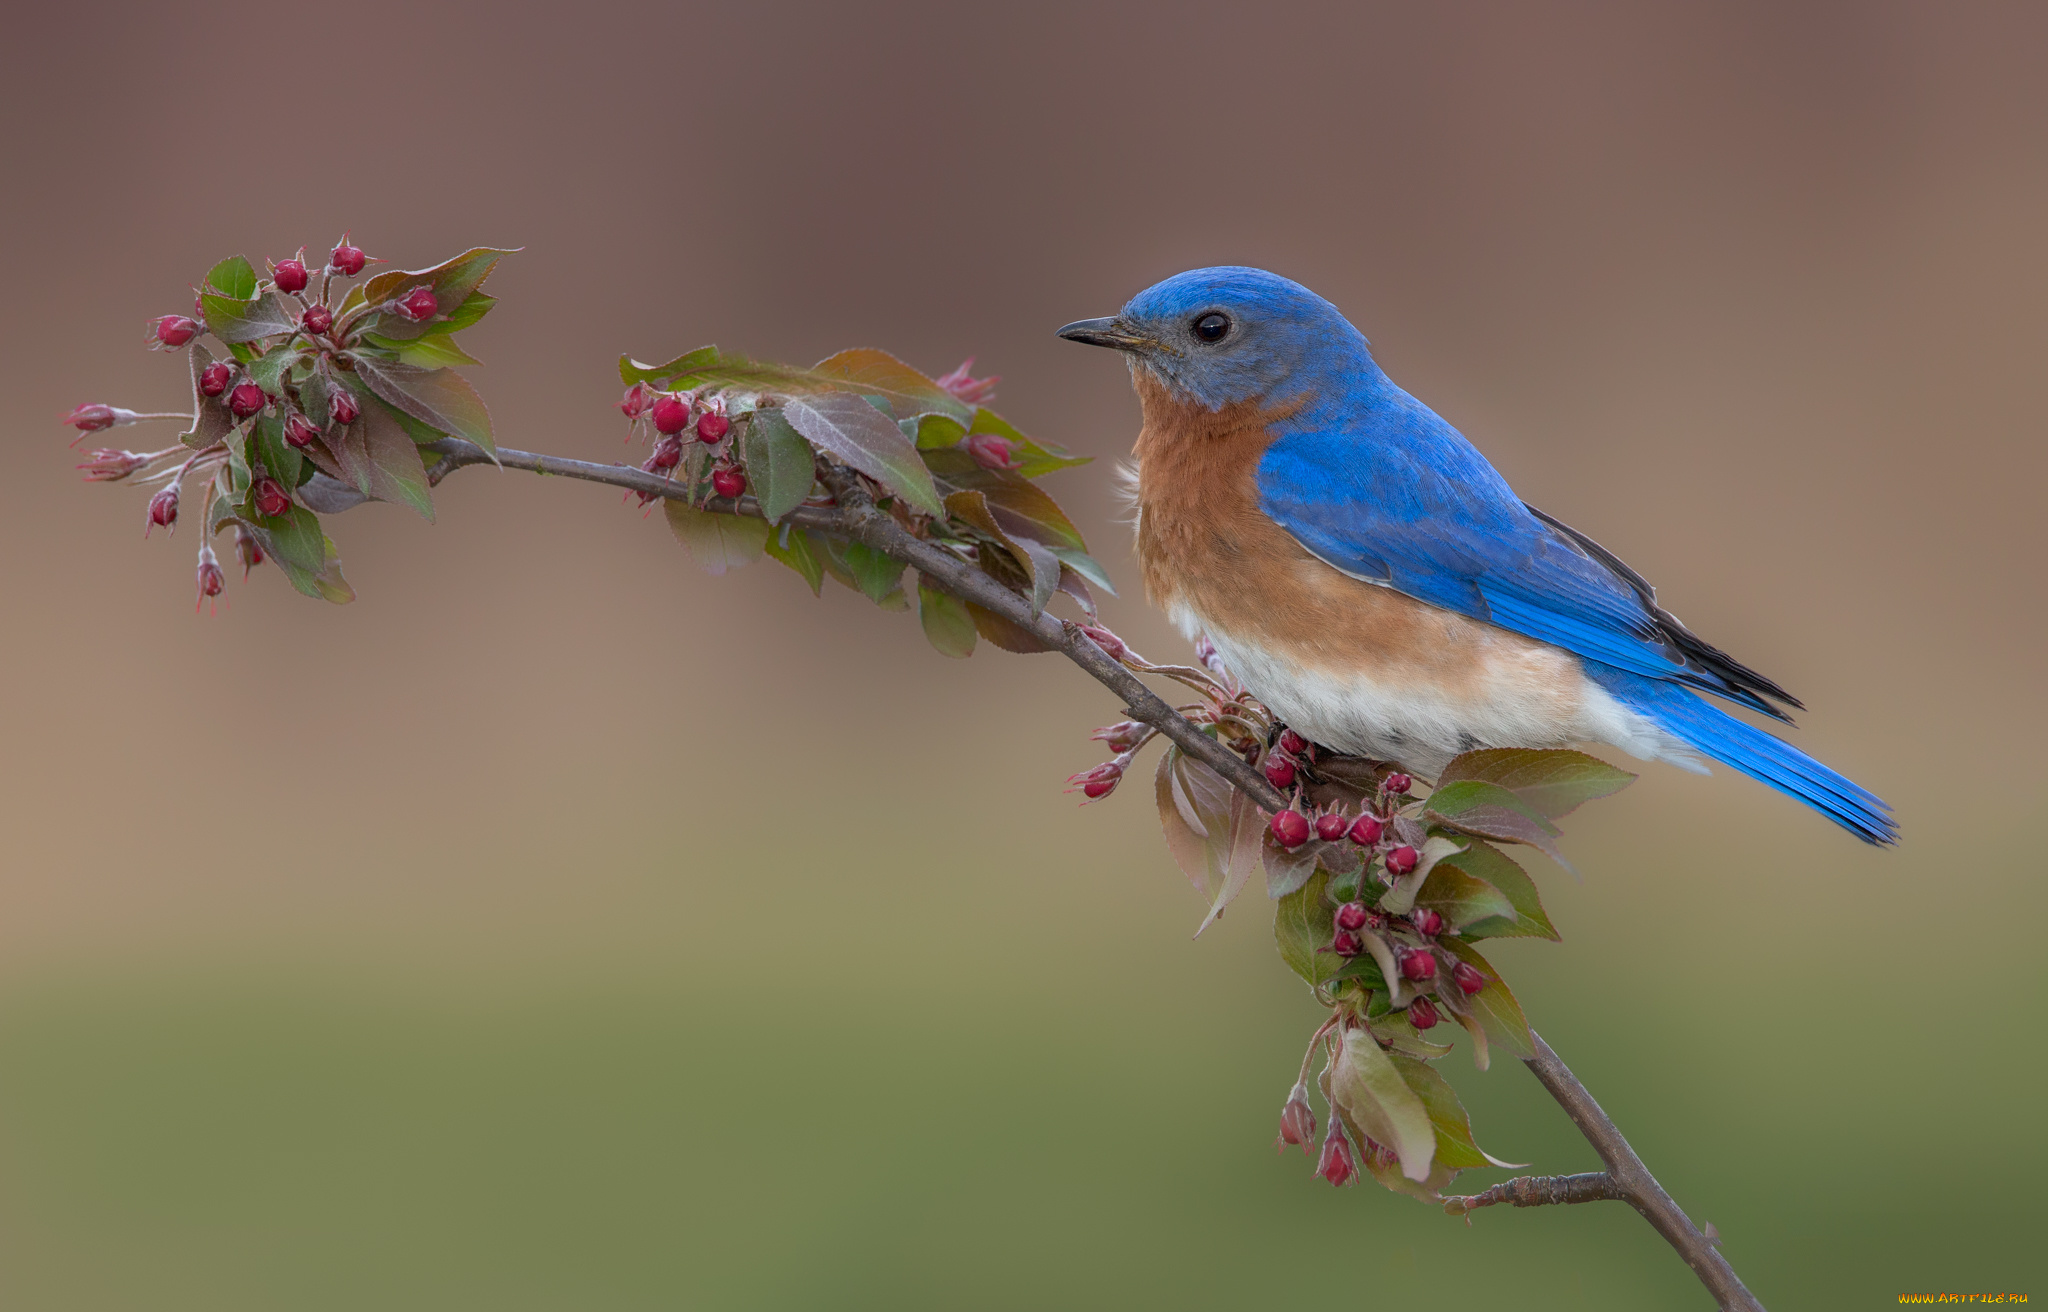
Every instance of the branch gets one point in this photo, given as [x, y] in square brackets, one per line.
[857, 519]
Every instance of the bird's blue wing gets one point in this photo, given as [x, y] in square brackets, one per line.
[1402, 499]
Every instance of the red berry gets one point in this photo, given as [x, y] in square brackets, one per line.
[163, 508]
[1418, 964]
[419, 305]
[668, 453]
[246, 400]
[1293, 743]
[341, 404]
[174, 330]
[1428, 921]
[1468, 978]
[269, 498]
[1289, 828]
[1331, 827]
[1401, 860]
[1398, 783]
[209, 576]
[671, 415]
[318, 319]
[91, 418]
[289, 275]
[1365, 831]
[1279, 771]
[346, 259]
[991, 452]
[728, 482]
[1352, 916]
[1336, 1165]
[1297, 1120]
[213, 380]
[1422, 1014]
[1346, 944]
[247, 549]
[299, 430]
[712, 427]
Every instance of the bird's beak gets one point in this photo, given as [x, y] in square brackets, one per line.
[1105, 332]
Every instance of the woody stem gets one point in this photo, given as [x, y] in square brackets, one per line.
[857, 519]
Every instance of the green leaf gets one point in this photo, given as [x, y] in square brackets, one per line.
[452, 281]
[1399, 898]
[211, 421]
[781, 467]
[280, 457]
[306, 555]
[379, 457]
[935, 431]
[432, 351]
[234, 277]
[876, 573]
[440, 398]
[1551, 783]
[236, 321]
[1033, 460]
[716, 542]
[1461, 898]
[793, 548]
[947, 625]
[844, 425]
[1302, 929]
[1401, 1036]
[268, 371]
[909, 392]
[1287, 870]
[1041, 567]
[1187, 825]
[1084, 564]
[1246, 828]
[474, 307]
[1474, 806]
[1005, 634]
[1366, 1083]
[1495, 1005]
[1526, 919]
[632, 371]
[1447, 1115]
[1019, 505]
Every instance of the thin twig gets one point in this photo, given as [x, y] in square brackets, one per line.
[857, 519]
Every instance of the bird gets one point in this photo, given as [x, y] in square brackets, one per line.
[1371, 578]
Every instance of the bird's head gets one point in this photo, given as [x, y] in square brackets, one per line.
[1227, 335]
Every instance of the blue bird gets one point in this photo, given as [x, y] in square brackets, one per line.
[1374, 581]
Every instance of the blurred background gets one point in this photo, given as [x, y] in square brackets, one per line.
[557, 926]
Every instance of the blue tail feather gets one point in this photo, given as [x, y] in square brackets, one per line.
[1761, 756]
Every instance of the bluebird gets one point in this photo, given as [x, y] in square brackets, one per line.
[1378, 585]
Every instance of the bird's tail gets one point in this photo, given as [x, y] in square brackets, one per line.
[1762, 757]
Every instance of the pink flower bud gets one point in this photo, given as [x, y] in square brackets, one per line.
[1467, 978]
[1111, 645]
[1121, 736]
[712, 427]
[1292, 743]
[299, 430]
[1352, 916]
[419, 305]
[969, 389]
[1347, 944]
[671, 415]
[1418, 964]
[247, 549]
[317, 319]
[667, 454]
[635, 402]
[269, 498]
[1422, 1014]
[1289, 828]
[208, 575]
[173, 331]
[1365, 831]
[163, 508]
[1401, 860]
[104, 466]
[1097, 783]
[346, 259]
[246, 400]
[1397, 783]
[341, 405]
[289, 275]
[1279, 771]
[727, 481]
[1297, 1121]
[213, 380]
[1337, 1165]
[1331, 827]
[92, 417]
[991, 452]
[1428, 921]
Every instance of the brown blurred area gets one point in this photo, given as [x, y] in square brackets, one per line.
[1752, 293]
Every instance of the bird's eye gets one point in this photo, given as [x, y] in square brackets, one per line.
[1213, 327]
